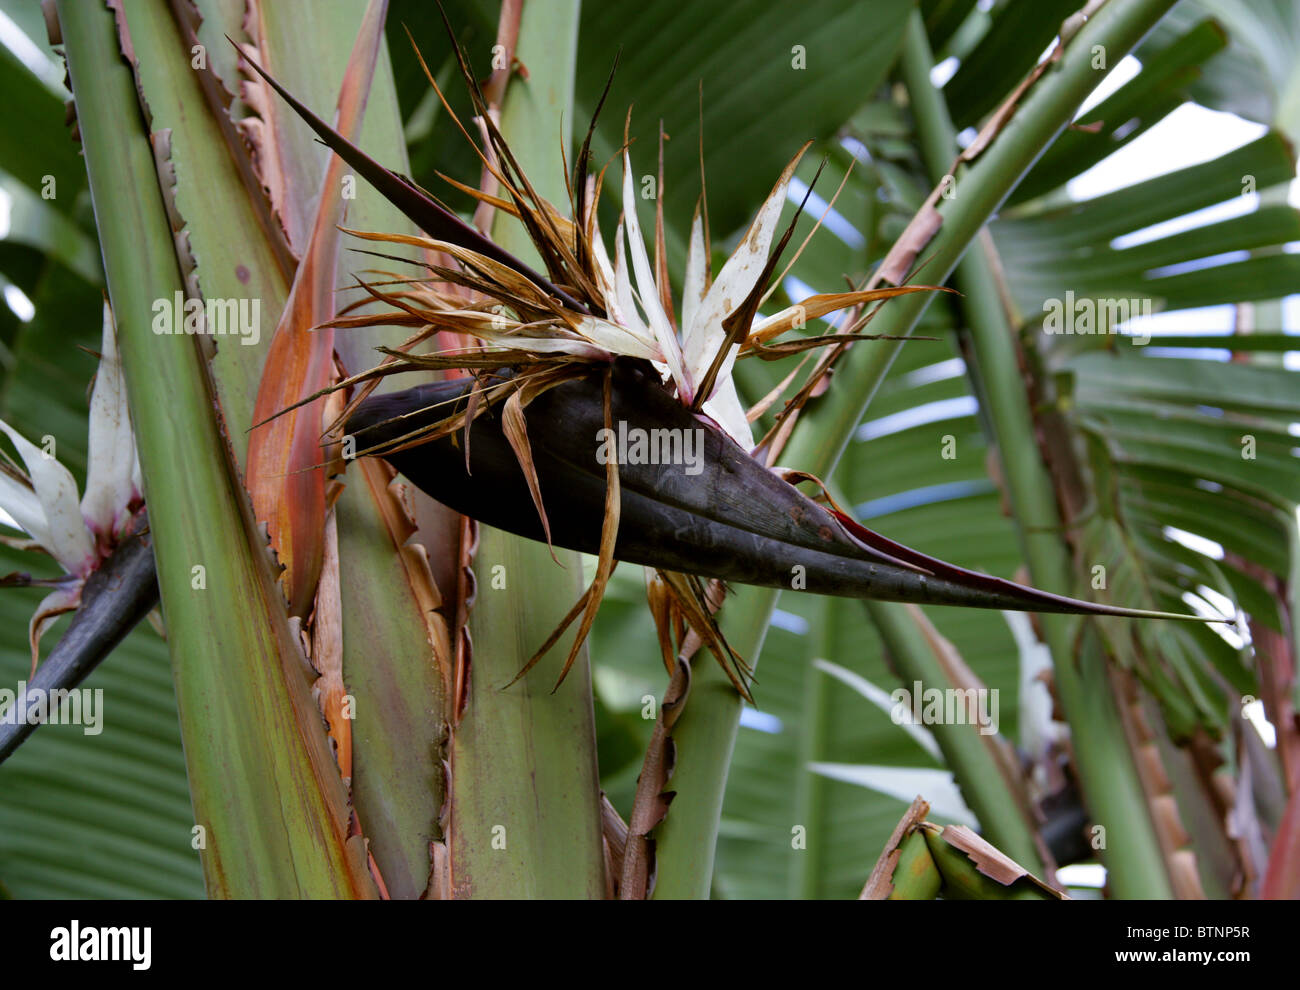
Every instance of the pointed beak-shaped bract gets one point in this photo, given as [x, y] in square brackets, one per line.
[691, 499]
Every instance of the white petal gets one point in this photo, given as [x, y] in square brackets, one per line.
[617, 339]
[67, 538]
[663, 371]
[705, 334]
[542, 345]
[109, 483]
[25, 508]
[726, 410]
[608, 282]
[627, 311]
[649, 291]
[605, 277]
[693, 287]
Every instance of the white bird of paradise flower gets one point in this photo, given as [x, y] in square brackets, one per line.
[42, 501]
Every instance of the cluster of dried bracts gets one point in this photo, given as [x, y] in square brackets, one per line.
[549, 368]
